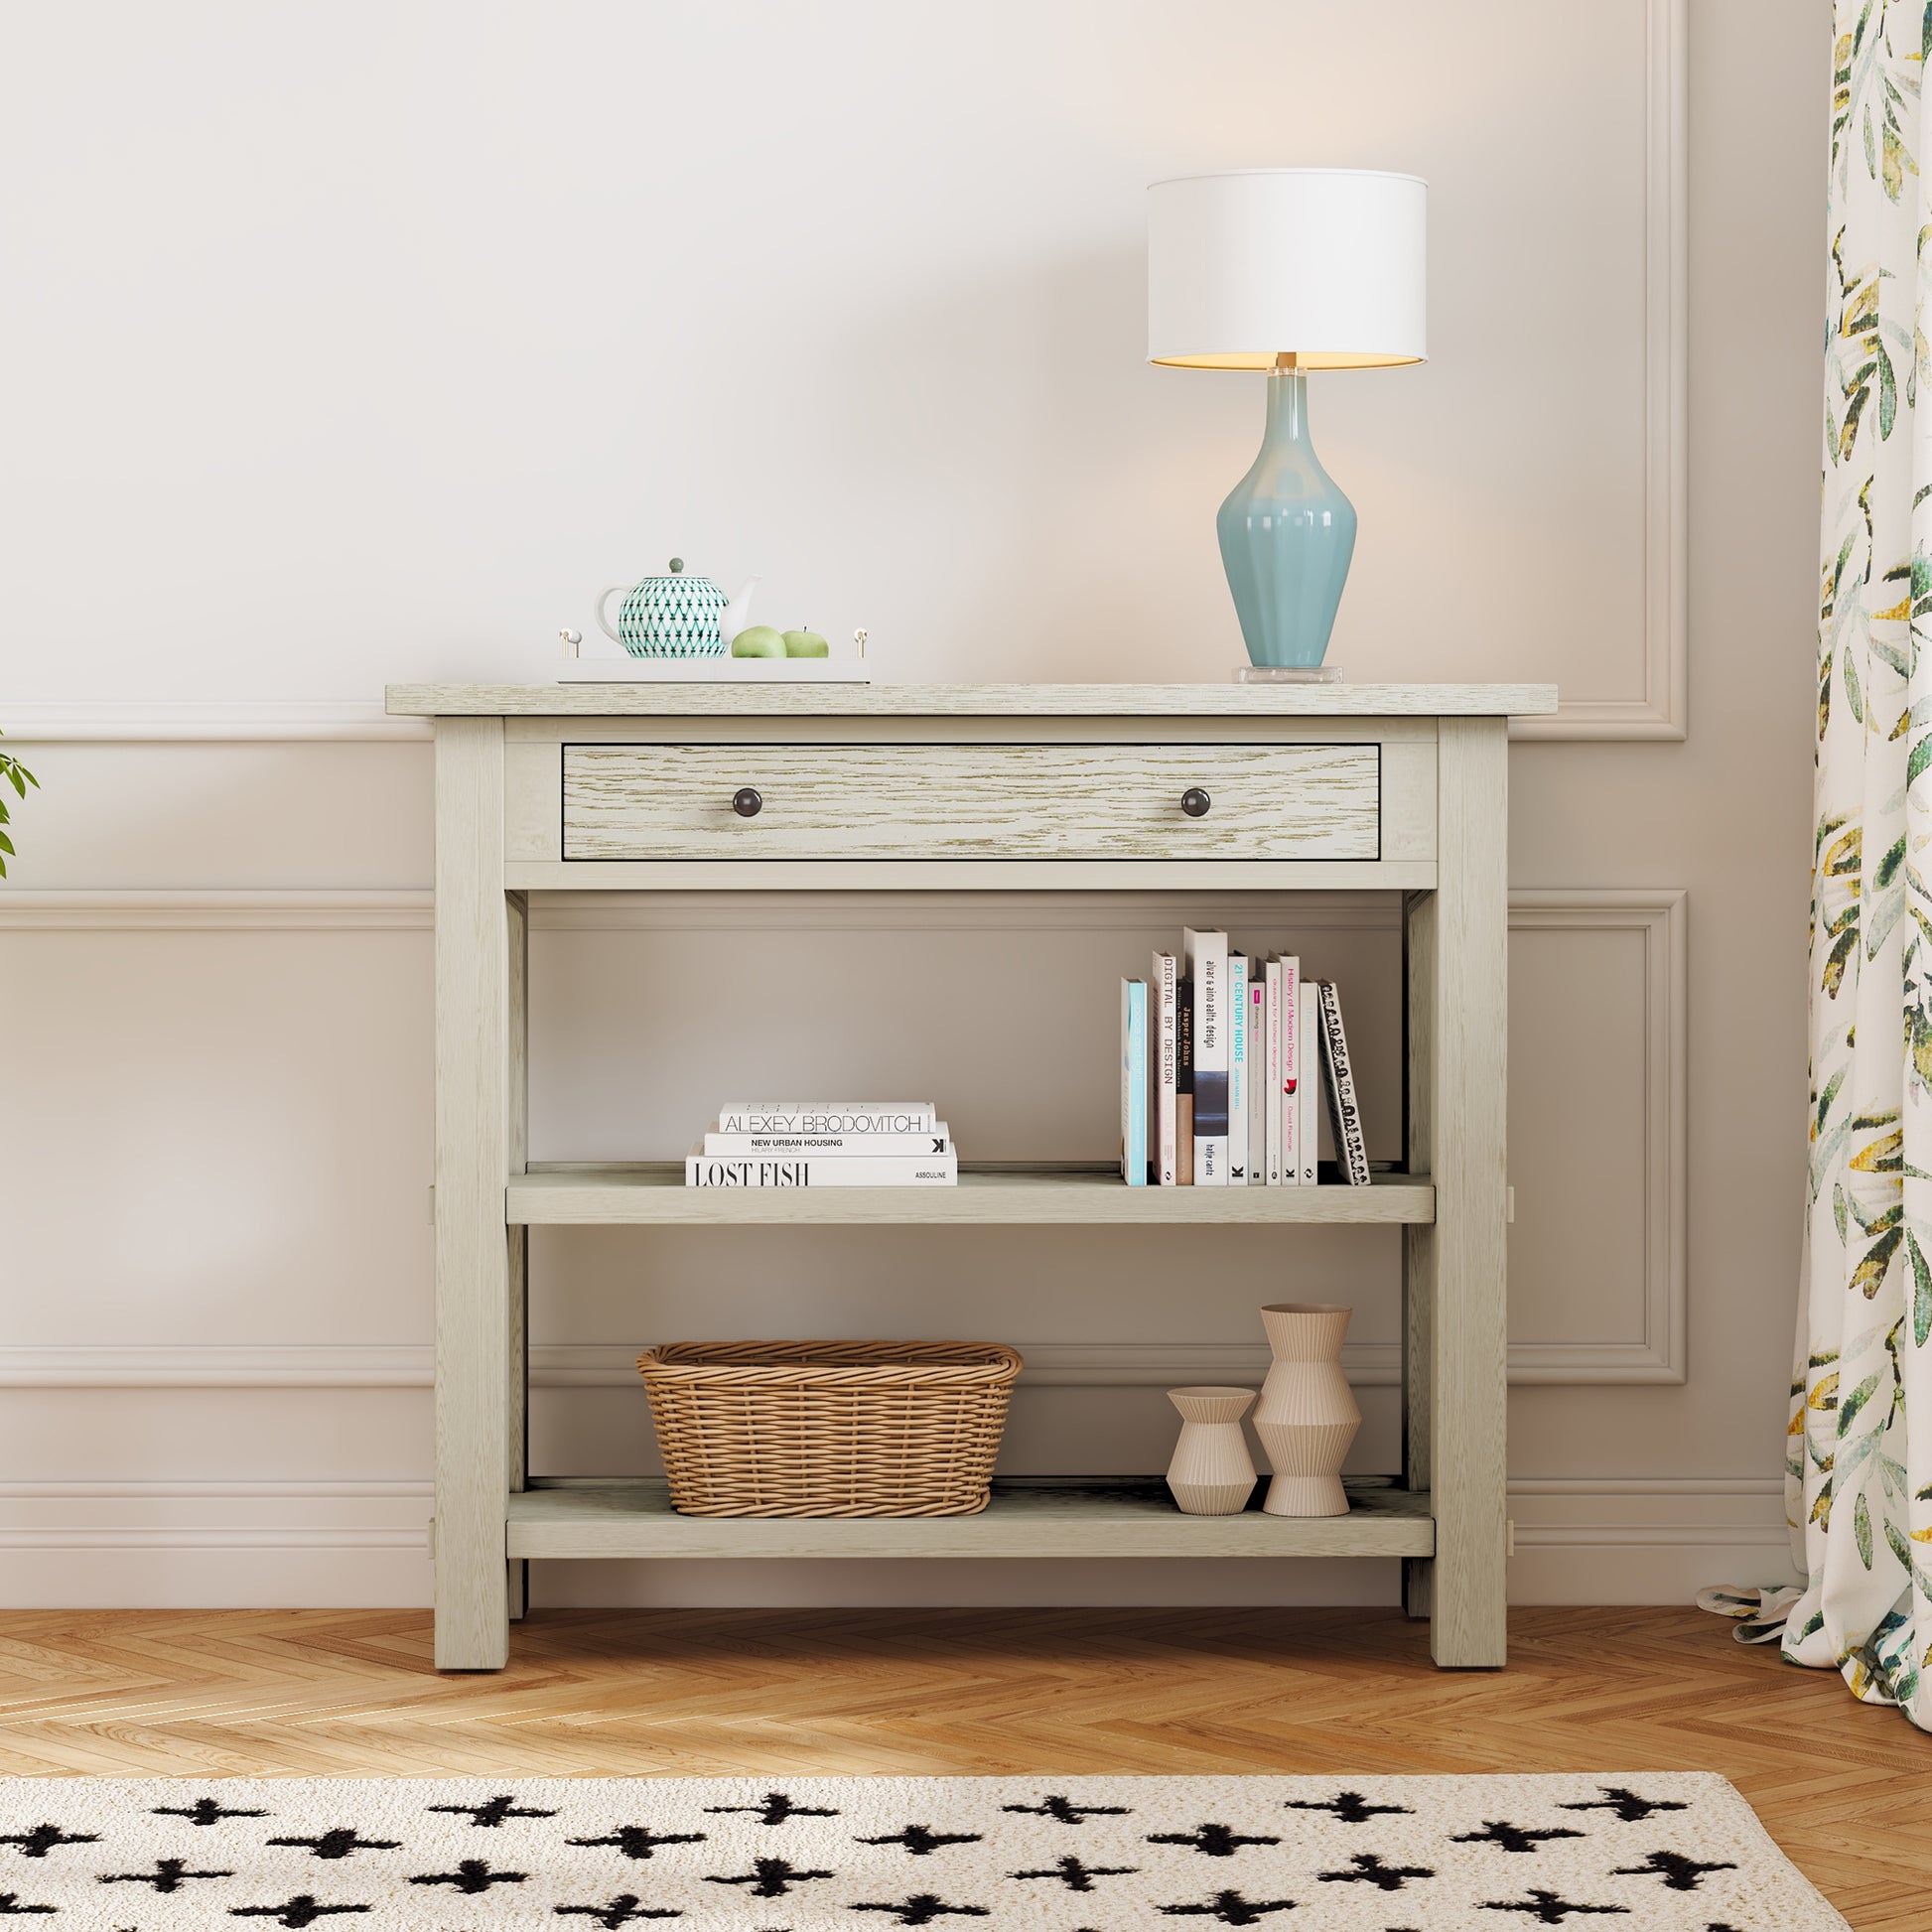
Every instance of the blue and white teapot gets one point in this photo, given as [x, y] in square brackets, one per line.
[675, 616]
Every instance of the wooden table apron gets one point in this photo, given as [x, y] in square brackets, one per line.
[1376, 788]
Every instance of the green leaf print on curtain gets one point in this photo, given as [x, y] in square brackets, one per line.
[1858, 1463]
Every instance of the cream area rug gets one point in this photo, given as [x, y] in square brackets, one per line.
[1062, 1853]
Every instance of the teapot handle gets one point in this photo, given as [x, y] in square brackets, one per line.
[603, 622]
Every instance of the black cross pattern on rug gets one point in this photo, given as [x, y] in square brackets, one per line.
[300, 1910]
[1077, 1875]
[471, 1876]
[169, 1874]
[204, 1810]
[924, 1908]
[1513, 1837]
[1062, 1808]
[1215, 1841]
[38, 1843]
[1549, 1907]
[775, 1809]
[1347, 1808]
[488, 1816]
[624, 1909]
[638, 1841]
[342, 1843]
[1370, 1870]
[10, 1906]
[1676, 1871]
[1626, 1803]
[1230, 1908]
[921, 1841]
[768, 1877]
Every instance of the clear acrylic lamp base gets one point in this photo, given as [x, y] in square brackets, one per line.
[1289, 674]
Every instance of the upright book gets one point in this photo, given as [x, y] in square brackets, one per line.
[1339, 1083]
[1237, 1071]
[1307, 1106]
[1183, 1083]
[1133, 1082]
[1258, 1077]
[1277, 1117]
[1208, 969]
[1164, 1072]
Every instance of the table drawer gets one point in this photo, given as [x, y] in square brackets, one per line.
[971, 801]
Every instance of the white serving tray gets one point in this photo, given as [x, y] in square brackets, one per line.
[714, 670]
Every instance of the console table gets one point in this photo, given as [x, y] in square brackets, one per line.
[1373, 788]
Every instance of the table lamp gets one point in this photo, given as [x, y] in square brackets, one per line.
[1287, 270]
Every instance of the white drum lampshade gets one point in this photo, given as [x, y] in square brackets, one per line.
[1327, 264]
[1287, 270]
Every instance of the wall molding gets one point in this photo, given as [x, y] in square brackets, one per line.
[205, 721]
[1661, 917]
[1662, 708]
[1658, 913]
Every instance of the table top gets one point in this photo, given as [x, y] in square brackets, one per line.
[972, 700]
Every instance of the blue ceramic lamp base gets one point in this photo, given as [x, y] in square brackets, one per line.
[1288, 535]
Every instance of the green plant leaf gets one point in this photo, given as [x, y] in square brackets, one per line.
[1861, 1530]
[1848, 1410]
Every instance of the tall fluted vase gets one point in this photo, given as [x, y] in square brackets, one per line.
[1307, 1416]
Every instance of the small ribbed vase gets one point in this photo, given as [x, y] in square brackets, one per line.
[1213, 1473]
[1307, 1415]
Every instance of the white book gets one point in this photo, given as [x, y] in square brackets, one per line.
[1162, 1043]
[808, 1170]
[1258, 1077]
[825, 1116]
[1276, 1119]
[1309, 1085]
[1133, 1082]
[1238, 1077]
[832, 1146]
[1294, 1066]
[1207, 970]
[1338, 1085]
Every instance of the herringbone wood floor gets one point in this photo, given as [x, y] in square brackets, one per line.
[1845, 1788]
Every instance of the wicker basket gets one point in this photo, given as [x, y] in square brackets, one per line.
[829, 1428]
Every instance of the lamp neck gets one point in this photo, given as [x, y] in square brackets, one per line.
[1287, 405]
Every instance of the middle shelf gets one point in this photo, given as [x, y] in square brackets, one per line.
[988, 1194]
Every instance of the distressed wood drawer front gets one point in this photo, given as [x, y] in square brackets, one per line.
[971, 801]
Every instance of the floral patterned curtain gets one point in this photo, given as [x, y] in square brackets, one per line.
[1858, 1463]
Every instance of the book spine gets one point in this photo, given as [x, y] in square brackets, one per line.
[1344, 1115]
[1293, 1068]
[1238, 1081]
[1133, 1082]
[829, 1147]
[852, 1170]
[1309, 1085]
[1275, 1117]
[825, 1116]
[1257, 1073]
[1183, 1083]
[1164, 1073]
[1207, 968]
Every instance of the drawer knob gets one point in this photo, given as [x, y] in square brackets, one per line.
[1195, 803]
[747, 803]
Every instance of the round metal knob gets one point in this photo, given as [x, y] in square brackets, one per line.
[1195, 803]
[747, 803]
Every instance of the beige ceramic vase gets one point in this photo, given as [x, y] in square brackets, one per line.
[1307, 1415]
[1213, 1473]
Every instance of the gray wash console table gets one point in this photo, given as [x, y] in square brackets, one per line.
[1375, 788]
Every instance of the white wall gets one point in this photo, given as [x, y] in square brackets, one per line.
[368, 346]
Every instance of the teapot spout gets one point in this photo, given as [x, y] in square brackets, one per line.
[737, 614]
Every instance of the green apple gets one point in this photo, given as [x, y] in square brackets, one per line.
[758, 640]
[806, 643]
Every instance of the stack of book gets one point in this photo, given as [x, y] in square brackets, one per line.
[824, 1144]
[1222, 1054]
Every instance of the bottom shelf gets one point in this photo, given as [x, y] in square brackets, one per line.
[1028, 1517]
